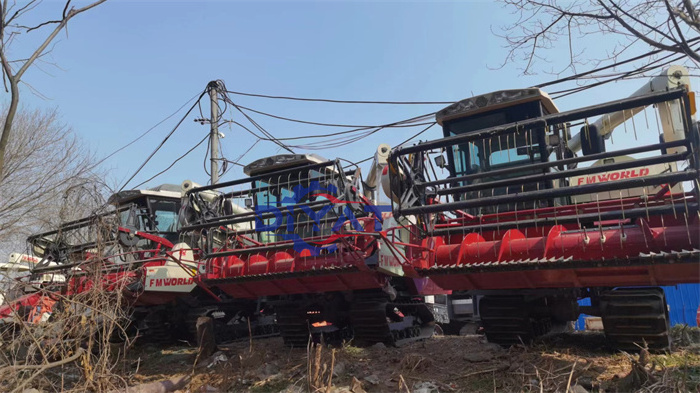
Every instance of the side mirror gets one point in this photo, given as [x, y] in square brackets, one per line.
[249, 202]
[440, 161]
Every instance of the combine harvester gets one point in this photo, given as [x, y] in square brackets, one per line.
[300, 237]
[136, 247]
[131, 245]
[528, 227]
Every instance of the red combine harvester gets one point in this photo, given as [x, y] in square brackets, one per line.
[133, 246]
[526, 226]
[128, 245]
[299, 237]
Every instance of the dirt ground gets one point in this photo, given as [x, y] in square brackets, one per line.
[579, 362]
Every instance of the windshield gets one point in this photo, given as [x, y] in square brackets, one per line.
[492, 153]
[497, 152]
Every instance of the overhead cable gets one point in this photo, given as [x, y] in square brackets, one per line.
[400, 144]
[164, 140]
[150, 129]
[342, 101]
[311, 122]
[173, 163]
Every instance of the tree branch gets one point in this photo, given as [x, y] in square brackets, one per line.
[65, 9]
[28, 29]
[684, 42]
[634, 31]
[687, 19]
[15, 78]
[20, 11]
[43, 367]
[653, 23]
[73, 12]
[691, 10]
[641, 22]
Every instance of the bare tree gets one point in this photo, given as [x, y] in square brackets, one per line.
[12, 70]
[660, 26]
[49, 178]
[82, 334]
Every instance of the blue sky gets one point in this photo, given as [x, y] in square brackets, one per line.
[126, 65]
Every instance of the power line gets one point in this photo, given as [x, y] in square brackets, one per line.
[236, 161]
[261, 129]
[306, 121]
[407, 123]
[416, 135]
[173, 163]
[227, 100]
[248, 130]
[344, 137]
[342, 142]
[364, 128]
[341, 101]
[148, 131]
[622, 75]
[400, 144]
[164, 140]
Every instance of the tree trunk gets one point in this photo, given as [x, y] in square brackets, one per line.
[7, 127]
[206, 343]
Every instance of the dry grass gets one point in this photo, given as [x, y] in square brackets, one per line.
[72, 351]
[441, 364]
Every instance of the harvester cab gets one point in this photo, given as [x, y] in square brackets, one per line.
[154, 210]
[525, 222]
[497, 157]
[275, 183]
[287, 201]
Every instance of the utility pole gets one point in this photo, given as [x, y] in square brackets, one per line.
[214, 136]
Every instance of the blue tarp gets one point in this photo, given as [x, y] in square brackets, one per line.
[683, 302]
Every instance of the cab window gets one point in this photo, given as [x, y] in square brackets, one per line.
[165, 213]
